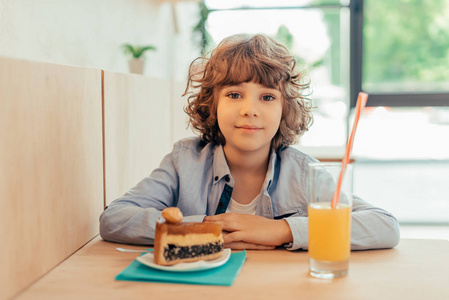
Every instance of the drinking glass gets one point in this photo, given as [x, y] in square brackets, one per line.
[329, 227]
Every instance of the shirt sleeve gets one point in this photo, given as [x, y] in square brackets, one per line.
[371, 228]
[132, 218]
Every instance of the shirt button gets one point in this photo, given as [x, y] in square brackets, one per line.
[216, 178]
[227, 178]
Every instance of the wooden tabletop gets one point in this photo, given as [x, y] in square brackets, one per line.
[415, 269]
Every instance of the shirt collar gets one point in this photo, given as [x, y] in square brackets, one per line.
[270, 171]
[221, 168]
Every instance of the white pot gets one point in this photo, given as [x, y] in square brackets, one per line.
[136, 65]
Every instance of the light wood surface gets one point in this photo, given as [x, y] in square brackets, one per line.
[137, 129]
[415, 269]
[51, 169]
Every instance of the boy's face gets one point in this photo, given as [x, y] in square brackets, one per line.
[249, 115]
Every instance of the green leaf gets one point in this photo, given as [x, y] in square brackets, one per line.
[137, 51]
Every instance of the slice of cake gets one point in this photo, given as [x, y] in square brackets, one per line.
[177, 242]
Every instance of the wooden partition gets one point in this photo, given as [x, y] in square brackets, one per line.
[51, 167]
[137, 129]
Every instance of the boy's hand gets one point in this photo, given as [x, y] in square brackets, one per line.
[243, 231]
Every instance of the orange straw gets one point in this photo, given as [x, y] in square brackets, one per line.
[361, 102]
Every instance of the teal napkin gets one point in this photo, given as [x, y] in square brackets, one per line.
[223, 275]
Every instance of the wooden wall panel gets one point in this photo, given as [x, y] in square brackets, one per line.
[51, 174]
[137, 129]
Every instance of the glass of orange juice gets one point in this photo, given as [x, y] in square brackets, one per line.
[329, 228]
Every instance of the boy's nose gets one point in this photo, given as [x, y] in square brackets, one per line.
[249, 107]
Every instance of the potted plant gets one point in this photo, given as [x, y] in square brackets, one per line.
[136, 61]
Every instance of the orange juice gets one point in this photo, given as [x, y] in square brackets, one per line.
[329, 232]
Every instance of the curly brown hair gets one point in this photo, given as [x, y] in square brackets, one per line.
[247, 58]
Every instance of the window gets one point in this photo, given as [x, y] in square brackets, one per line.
[400, 52]
[400, 58]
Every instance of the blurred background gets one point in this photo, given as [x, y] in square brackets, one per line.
[397, 51]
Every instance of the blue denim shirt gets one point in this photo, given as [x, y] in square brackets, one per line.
[197, 179]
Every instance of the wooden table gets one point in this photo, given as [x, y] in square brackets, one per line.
[415, 269]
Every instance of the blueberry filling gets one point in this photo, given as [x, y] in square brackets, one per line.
[174, 252]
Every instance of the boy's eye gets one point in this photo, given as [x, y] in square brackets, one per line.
[234, 95]
[268, 97]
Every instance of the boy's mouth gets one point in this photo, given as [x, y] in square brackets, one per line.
[249, 128]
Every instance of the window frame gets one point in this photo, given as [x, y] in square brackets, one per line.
[356, 72]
